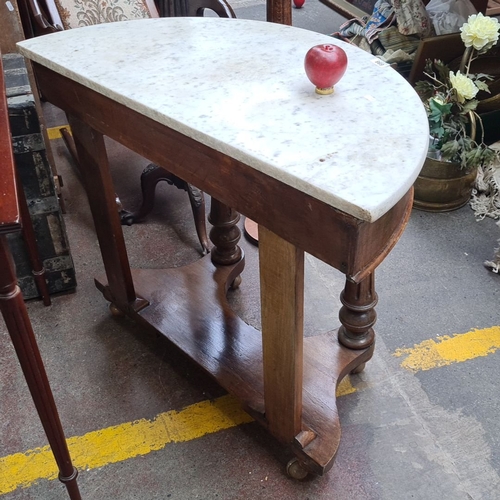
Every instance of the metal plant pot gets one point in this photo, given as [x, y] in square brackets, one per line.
[442, 186]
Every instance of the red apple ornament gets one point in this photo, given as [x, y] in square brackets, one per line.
[325, 65]
[298, 3]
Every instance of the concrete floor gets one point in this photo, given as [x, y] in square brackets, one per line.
[427, 435]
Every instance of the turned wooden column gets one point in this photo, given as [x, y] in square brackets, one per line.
[225, 234]
[357, 313]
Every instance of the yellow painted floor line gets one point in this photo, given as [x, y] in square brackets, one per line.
[131, 439]
[345, 387]
[447, 350]
[122, 442]
[55, 132]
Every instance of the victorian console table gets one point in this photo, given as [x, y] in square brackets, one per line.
[225, 105]
[14, 310]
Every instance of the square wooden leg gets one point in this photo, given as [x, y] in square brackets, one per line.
[282, 304]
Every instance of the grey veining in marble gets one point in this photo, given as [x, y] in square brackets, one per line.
[239, 86]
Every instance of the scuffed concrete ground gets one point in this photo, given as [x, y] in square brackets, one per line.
[431, 435]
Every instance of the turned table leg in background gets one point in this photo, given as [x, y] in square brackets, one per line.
[282, 306]
[358, 315]
[225, 235]
[21, 332]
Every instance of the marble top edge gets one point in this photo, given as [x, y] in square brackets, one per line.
[337, 153]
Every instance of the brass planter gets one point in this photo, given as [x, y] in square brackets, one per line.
[442, 186]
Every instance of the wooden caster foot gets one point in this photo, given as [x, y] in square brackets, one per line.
[296, 470]
[115, 312]
[236, 283]
[359, 368]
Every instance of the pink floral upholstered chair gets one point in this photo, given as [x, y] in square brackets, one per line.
[79, 13]
[56, 15]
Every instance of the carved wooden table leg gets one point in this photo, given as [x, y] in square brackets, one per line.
[21, 332]
[358, 315]
[225, 235]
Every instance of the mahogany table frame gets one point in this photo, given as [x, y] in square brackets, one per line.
[285, 381]
[14, 310]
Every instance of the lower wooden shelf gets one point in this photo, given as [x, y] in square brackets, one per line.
[188, 306]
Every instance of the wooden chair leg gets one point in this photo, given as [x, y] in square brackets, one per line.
[197, 200]
[29, 236]
[150, 177]
[70, 144]
[21, 332]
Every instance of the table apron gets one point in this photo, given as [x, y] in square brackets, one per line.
[352, 246]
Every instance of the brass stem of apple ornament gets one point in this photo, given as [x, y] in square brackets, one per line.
[327, 91]
[325, 65]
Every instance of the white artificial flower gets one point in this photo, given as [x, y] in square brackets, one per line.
[465, 87]
[480, 32]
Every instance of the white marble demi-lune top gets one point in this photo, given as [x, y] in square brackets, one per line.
[239, 86]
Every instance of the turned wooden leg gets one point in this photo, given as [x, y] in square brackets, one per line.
[224, 234]
[357, 314]
[21, 332]
[282, 305]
